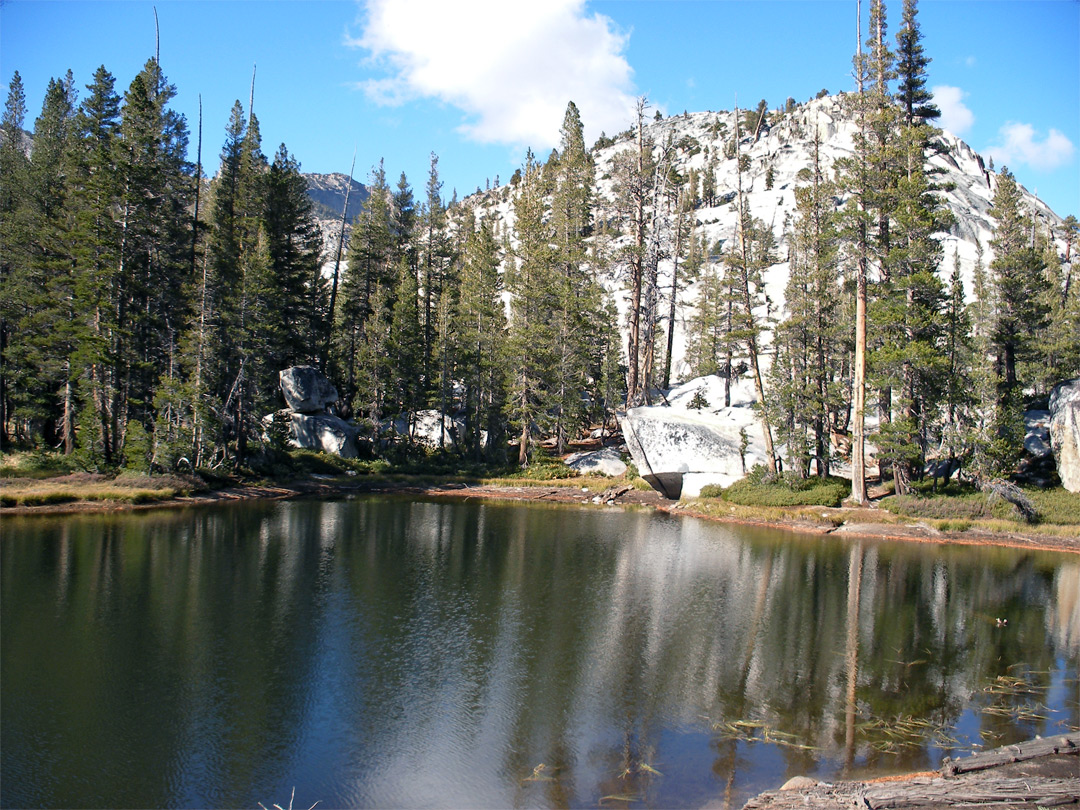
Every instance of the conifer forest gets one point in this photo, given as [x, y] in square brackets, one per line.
[155, 278]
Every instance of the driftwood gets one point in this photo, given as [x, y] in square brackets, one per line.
[1038, 773]
[1021, 752]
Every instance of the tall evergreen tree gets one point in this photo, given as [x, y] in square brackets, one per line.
[39, 286]
[911, 64]
[405, 344]
[95, 248]
[295, 253]
[435, 258]
[811, 348]
[634, 172]
[14, 209]
[1018, 279]
[751, 253]
[368, 280]
[529, 353]
[571, 173]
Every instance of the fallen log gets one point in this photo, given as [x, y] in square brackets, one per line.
[1032, 749]
[1036, 773]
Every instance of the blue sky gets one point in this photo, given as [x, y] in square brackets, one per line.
[478, 81]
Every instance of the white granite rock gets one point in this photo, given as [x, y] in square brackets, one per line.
[606, 461]
[1065, 432]
[679, 449]
[323, 431]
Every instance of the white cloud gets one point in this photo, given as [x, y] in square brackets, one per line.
[511, 67]
[955, 116]
[1019, 144]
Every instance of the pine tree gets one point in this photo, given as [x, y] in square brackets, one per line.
[908, 316]
[634, 172]
[39, 287]
[959, 400]
[1019, 281]
[707, 341]
[405, 344]
[295, 251]
[238, 259]
[14, 210]
[95, 249]
[810, 343]
[751, 254]
[529, 347]
[683, 248]
[370, 268]
[435, 258]
[911, 64]
[1058, 354]
[869, 178]
[571, 174]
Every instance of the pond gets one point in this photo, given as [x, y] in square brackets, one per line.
[387, 652]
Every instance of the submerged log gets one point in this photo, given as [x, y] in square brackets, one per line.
[1037, 773]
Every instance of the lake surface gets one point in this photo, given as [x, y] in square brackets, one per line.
[384, 652]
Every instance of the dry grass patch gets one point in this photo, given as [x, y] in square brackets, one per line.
[126, 488]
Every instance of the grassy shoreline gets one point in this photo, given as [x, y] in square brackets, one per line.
[55, 496]
[959, 517]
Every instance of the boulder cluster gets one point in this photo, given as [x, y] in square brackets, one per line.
[310, 397]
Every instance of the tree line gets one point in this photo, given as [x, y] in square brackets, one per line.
[146, 310]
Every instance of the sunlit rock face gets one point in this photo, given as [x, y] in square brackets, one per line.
[309, 395]
[429, 428]
[1065, 432]
[325, 432]
[306, 389]
[607, 461]
[689, 442]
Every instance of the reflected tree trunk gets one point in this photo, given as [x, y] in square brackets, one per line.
[851, 651]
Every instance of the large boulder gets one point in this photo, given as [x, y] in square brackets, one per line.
[1065, 432]
[306, 389]
[325, 432]
[681, 447]
[606, 461]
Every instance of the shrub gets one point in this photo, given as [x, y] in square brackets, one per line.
[760, 488]
[963, 503]
[1057, 506]
[698, 402]
[969, 506]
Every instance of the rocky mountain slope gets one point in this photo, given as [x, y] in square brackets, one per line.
[327, 192]
[785, 148]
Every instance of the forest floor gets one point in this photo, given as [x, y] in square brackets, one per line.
[851, 522]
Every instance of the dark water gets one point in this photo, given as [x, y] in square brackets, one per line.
[395, 653]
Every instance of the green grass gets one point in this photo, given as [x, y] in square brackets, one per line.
[957, 503]
[35, 464]
[756, 490]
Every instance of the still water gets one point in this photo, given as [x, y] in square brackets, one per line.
[402, 653]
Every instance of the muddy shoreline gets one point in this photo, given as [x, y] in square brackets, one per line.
[855, 526]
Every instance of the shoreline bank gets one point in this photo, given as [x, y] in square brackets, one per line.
[841, 521]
